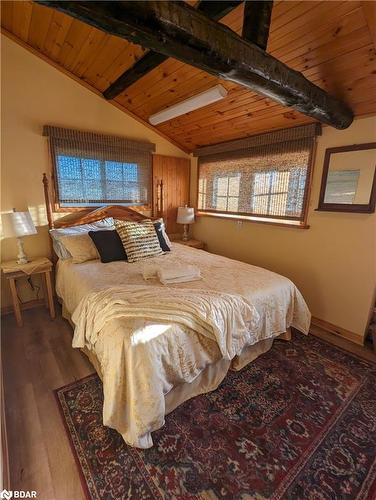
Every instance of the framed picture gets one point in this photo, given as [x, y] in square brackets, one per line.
[349, 179]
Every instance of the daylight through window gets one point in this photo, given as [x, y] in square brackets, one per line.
[266, 180]
[94, 170]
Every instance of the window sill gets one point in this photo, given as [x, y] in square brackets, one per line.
[257, 220]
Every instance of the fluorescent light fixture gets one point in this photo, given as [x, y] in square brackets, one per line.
[191, 104]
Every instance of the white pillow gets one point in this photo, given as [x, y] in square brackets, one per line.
[80, 247]
[56, 234]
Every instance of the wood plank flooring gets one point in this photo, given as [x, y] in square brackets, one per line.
[37, 359]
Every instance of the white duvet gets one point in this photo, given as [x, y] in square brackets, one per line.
[228, 320]
[149, 337]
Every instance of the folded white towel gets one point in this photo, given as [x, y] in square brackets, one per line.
[178, 274]
[166, 275]
[150, 271]
[179, 280]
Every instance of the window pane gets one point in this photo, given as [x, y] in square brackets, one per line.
[221, 203]
[93, 174]
[233, 186]
[270, 181]
[233, 204]
[91, 169]
[280, 182]
[114, 171]
[200, 201]
[71, 190]
[92, 190]
[260, 204]
[222, 186]
[130, 172]
[68, 167]
[114, 190]
[277, 204]
[261, 183]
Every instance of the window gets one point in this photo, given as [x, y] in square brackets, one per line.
[265, 179]
[96, 170]
[227, 192]
[270, 191]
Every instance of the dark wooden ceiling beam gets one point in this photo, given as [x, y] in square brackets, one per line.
[217, 9]
[179, 31]
[256, 21]
[147, 63]
[213, 9]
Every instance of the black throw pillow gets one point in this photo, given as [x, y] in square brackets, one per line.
[109, 245]
[161, 238]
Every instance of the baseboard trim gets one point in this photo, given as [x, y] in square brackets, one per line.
[26, 305]
[337, 330]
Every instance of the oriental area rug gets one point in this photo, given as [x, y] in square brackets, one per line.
[297, 423]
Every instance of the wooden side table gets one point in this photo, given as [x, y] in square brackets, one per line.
[12, 271]
[192, 243]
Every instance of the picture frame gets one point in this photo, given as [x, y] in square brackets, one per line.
[348, 182]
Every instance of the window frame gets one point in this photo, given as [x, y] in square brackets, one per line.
[278, 220]
[54, 189]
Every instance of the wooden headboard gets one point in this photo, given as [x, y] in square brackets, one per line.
[86, 216]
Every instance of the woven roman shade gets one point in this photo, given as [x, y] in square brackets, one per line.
[261, 176]
[95, 169]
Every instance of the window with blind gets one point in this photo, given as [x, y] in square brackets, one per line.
[94, 170]
[265, 176]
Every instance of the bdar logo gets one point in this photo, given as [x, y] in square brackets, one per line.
[18, 494]
[6, 494]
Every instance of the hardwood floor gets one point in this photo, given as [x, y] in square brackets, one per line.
[37, 359]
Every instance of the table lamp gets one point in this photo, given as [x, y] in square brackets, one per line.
[17, 225]
[186, 215]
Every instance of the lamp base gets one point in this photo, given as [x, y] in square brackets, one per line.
[21, 256]
[185, 233]
[22, 261]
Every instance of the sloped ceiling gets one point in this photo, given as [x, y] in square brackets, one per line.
[331, 43]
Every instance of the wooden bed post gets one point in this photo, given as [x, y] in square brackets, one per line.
[48, 201]
[50, 219]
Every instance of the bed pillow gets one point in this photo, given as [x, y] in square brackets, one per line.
[109, 245]
[139, 239]
[80, 247]
[159, 229]
[56, 234]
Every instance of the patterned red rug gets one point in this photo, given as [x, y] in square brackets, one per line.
[298, 423]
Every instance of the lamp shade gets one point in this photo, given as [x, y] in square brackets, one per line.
[16, 224]
[186, 215]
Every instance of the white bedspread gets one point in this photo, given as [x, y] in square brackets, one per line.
[143, 356]
[228, 320]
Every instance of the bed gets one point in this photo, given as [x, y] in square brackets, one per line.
[154, 359]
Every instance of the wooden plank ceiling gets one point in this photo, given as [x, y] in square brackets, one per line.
[331, 43]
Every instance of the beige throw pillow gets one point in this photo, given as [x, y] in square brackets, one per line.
[81, 247]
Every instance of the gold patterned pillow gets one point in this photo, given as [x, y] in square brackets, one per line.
[139, 239]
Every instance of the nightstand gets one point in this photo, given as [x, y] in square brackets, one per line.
[12, 271]
[192, 243]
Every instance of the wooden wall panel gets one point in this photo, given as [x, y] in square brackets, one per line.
[175, 175]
